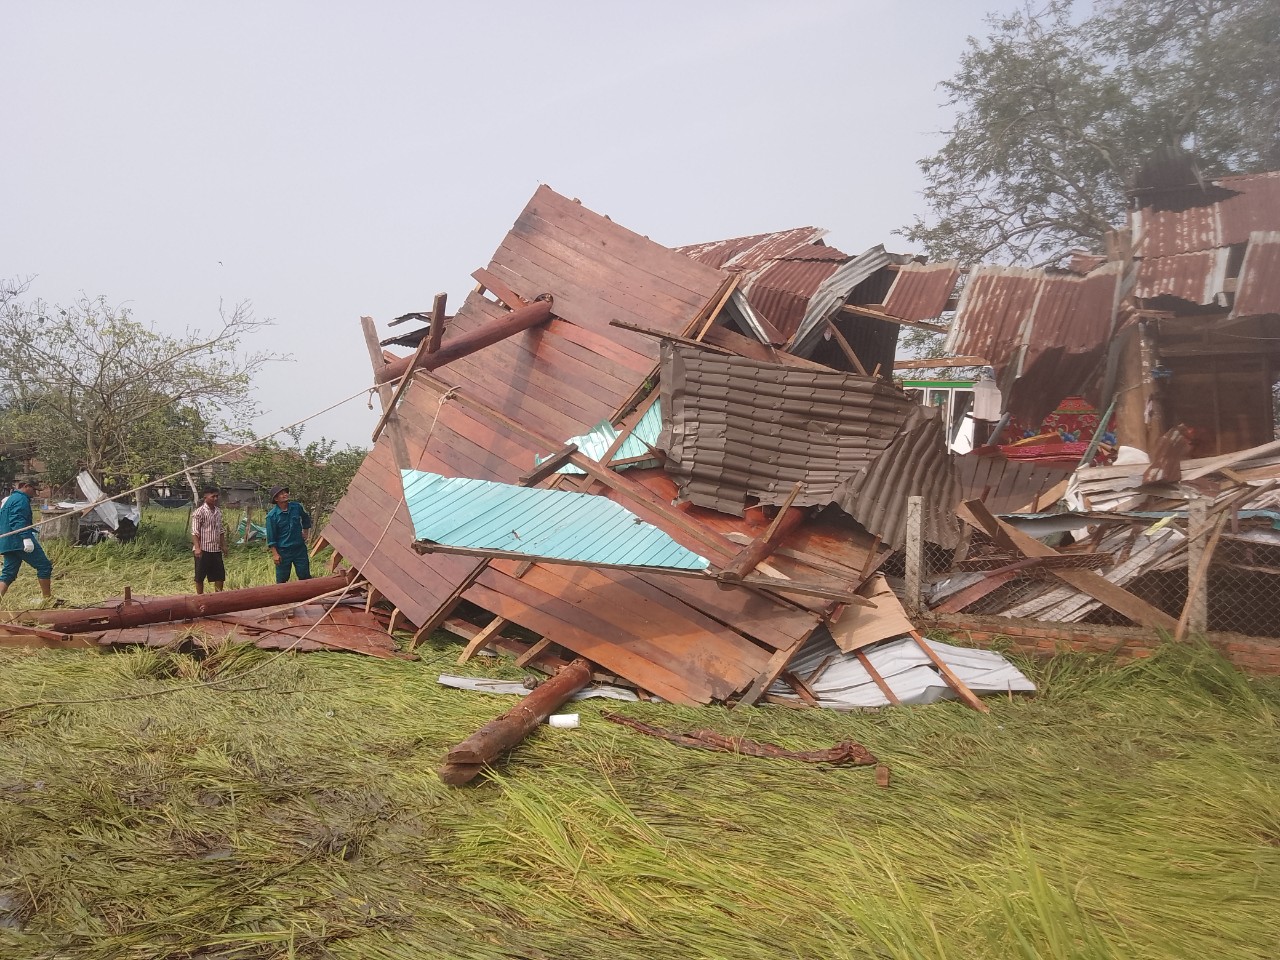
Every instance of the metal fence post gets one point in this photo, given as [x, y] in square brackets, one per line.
[1197, 543]
[915, 555]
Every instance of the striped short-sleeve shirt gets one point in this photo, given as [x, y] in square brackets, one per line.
[206, 526]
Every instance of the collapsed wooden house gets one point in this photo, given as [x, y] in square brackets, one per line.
[1175, 334]
[678, 465]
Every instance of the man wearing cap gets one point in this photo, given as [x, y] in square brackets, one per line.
[18, 541]
[288, 532]
[208, 541]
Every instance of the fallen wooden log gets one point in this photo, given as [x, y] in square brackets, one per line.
[465, 761]
[137, 613]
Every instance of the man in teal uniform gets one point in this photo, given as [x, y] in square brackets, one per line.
[18, 541]
[288, 532]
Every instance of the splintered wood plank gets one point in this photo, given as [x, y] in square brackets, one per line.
[876, 677]
[777, 664]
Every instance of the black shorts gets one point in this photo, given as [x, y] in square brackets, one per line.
[209, 567]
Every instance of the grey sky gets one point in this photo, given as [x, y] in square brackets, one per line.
[330, 160]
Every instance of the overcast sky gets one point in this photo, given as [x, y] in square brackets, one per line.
[326, 160]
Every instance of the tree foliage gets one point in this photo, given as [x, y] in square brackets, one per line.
[317, 473]
[1057, 111]
[91, 387]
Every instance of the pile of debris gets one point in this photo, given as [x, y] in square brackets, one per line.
[331, 613]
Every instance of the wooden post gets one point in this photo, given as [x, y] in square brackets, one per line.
[186, 607]
[912, 602]
[1198, 530]
[398, 449]
[436, 333]
[465, 761]
[516, 321]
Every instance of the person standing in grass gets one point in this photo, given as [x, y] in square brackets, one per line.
[18, 541]
[288, 533]
[208, 541]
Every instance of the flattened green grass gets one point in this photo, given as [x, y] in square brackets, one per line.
[294, 811]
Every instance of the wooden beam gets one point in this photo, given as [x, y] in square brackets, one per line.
[530, 315]
[465, 761]
[549, 466]
[843, 344]
[875, 676]
[956, 684]
[928, 362]
[664, 335]
[824, 588]
[499, 289]
[482, 639]
[877, 315]
[537, 650]
[377, 359]
[403, 385]
[437, 323]
[788, 520]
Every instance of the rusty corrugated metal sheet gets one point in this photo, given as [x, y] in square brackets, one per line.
[735, 429]
[1222, 213]
[835, 291]
[741, 254]
[1043, 332]
[1258, 288]
[781, 289]
[921, 290]
[1083, 263]
[1195, 277]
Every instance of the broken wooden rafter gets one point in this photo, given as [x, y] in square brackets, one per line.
[788, 520]
[845, 347]
[878, 315]
[520, 319]
[955, 683]
[488, 281]
[436, 333]
[928, 362]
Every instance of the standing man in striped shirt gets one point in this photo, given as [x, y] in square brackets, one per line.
[207, 541]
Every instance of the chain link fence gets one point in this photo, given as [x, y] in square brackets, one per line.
[1212, 572]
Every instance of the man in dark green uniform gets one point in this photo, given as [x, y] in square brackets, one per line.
[288, 533]
[18, 541]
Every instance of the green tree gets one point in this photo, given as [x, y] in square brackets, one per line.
[1056, 112]
[93, 388]
[317, 473]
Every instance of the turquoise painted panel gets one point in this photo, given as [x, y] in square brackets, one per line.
[597, 442]
[553, 524]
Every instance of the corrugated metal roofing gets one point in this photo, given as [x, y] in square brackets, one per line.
[1258, 288]
[1044, 333]
[781, 289]
[1221, 214]
[1195, 277]
[741, 254]
[738, 428]
[1083, 263]
[537, 523]
[920, 291]
[834, 291]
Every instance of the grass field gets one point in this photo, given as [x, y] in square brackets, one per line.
[293, 811]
